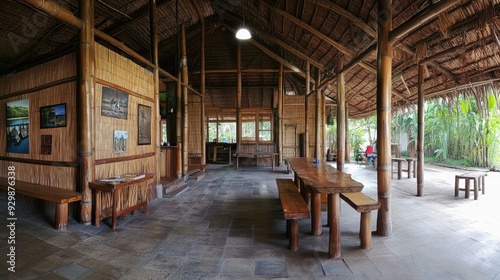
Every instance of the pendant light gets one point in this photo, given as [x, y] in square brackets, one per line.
[243, 33]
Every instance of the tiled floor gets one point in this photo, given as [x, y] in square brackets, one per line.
[228, 225]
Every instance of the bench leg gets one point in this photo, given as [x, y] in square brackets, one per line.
[457, 182]
[482, 183]
[467, 188]
[400, 170]
[476, 192]
[365, 234]
[61, 219]
[293, 242]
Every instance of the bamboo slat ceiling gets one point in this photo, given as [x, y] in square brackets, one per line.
[460, 45]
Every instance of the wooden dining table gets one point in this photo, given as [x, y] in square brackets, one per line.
[316, 179]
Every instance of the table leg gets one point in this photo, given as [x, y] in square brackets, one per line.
[334, 249]
[98, 206]
[400, 170]
[457, 183]
[409, 169]
[476, 192]
[316, 225]
[230, 154]
[482, 183]
[414, 169]
[115, 203]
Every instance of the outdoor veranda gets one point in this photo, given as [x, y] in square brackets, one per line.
[228, 225]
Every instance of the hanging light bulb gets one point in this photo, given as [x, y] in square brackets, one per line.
[243, 34]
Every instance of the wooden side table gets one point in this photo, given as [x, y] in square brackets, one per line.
[116, 188]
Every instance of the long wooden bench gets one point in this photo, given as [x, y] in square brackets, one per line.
[294, 208]
[363, 204]
[60, 197]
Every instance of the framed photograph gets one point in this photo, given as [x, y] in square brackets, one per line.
[114, 103]
[18, 126]
[120, 140]
[46, 148]
[53, 116]
[144, 125]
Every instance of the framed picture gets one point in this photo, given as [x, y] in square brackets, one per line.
[114, 103]
[53, 116]
[18, 126]
[46, 148]
[120, 140]
[144, 124]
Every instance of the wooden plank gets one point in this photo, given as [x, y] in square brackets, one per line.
[360, 202]
[294, 206]
[286, 186]
[47, 193]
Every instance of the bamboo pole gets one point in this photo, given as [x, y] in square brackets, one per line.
[306, 111]
[202, 89]
[85, 97]
[53, 9]
[341, 103]
[347, 140]
[238, 97]
[318, 119]
[185, 113]
[420, 135]
[384, 87]
[178, 126]
[280, 115]
[153, 29]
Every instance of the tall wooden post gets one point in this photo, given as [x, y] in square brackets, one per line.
[238, 97]
[280, 115]
[384, 88]
[185, 113]
[85, 108]
[318, 153]
[202, 91]
[420, 136]
[178, 124]
[347, 140]
[153, 29]
[306, 109]
[340, 116]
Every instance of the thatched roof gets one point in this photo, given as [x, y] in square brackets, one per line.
[460, 45]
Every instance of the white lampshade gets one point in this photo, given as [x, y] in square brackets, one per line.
[243, 34]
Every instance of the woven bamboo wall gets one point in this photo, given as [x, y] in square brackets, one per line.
[194, 122]
[47, 84]
[293, 114]
[117, 72]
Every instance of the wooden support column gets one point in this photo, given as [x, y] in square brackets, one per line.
[384, 88]
[202, 91]
[420, 134]
[306, 109]
[178, 124]
[238, 97]
[185, 113]
[86, 108]
[280, 115]
[347, 140]
[318, 152]
[341, 119]
[153, 29]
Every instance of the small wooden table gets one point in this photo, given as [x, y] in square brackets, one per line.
[412, 166]
[115, 188]
[256, 155]
[477, 177]
[322, 178]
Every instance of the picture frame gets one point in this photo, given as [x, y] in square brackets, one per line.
[114, 103]
[53, 116]
[120, 141]
[143, 125]
[17, 115]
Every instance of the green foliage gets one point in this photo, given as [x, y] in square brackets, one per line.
[17, 112]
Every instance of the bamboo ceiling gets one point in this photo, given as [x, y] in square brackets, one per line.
[460, 45]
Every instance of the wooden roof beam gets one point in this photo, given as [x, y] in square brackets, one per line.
[345, 13]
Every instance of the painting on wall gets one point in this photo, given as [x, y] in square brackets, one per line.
[114, 103]
[53, 116]
[144, 124]
[18, 126]
[120, 140]
[46, 148]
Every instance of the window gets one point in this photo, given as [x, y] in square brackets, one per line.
[257, 124]
[221, 128]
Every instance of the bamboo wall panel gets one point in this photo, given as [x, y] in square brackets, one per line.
[39, 75]
[293, 114]
[311, 122]
[120, 73]
[194, 130]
